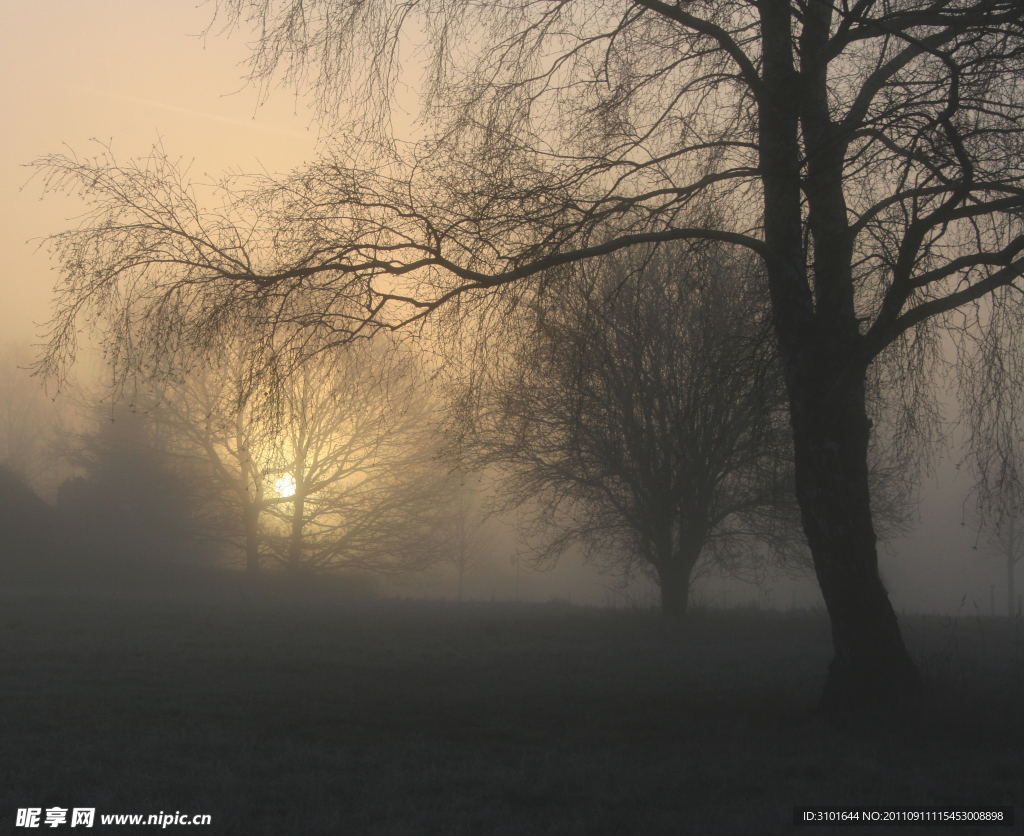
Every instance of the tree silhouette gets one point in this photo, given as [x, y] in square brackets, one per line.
[642, 414]
[360, 486]
[469, 533]
[329, 466]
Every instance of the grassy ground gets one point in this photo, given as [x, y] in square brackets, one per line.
[297, 716]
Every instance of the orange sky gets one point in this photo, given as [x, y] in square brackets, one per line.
[130, 73]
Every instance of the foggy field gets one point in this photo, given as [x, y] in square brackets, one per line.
[284, 715]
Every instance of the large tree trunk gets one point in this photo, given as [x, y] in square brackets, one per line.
[674, 582]
[819, 343]
[674, 566]
[871, 670]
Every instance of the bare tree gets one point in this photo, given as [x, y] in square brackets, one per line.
[358, 483]
[329, 466]
[870, 153]
[642, 414]
[1010, 539]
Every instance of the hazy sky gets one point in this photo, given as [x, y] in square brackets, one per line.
[131, 73]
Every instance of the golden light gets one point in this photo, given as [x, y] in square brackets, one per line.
[285, 485]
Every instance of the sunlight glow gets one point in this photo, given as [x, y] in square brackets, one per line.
[285, 485]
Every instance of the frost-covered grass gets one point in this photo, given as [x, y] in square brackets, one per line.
[293, 715]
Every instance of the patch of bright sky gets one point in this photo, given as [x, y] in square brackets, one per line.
[285, 486]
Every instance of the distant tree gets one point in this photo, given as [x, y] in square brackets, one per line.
[1000, 521]
[328, 465]
[642, 414]
[131, 507]
[869, 153]
[1010, 538]
[358, 484]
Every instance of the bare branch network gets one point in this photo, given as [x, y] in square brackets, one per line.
[332, 251]
[568, 116]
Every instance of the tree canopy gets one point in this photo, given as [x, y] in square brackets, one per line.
[640, 415]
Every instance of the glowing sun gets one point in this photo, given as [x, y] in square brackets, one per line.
[285, 485]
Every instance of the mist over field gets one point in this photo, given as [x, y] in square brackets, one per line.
[942, 565]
